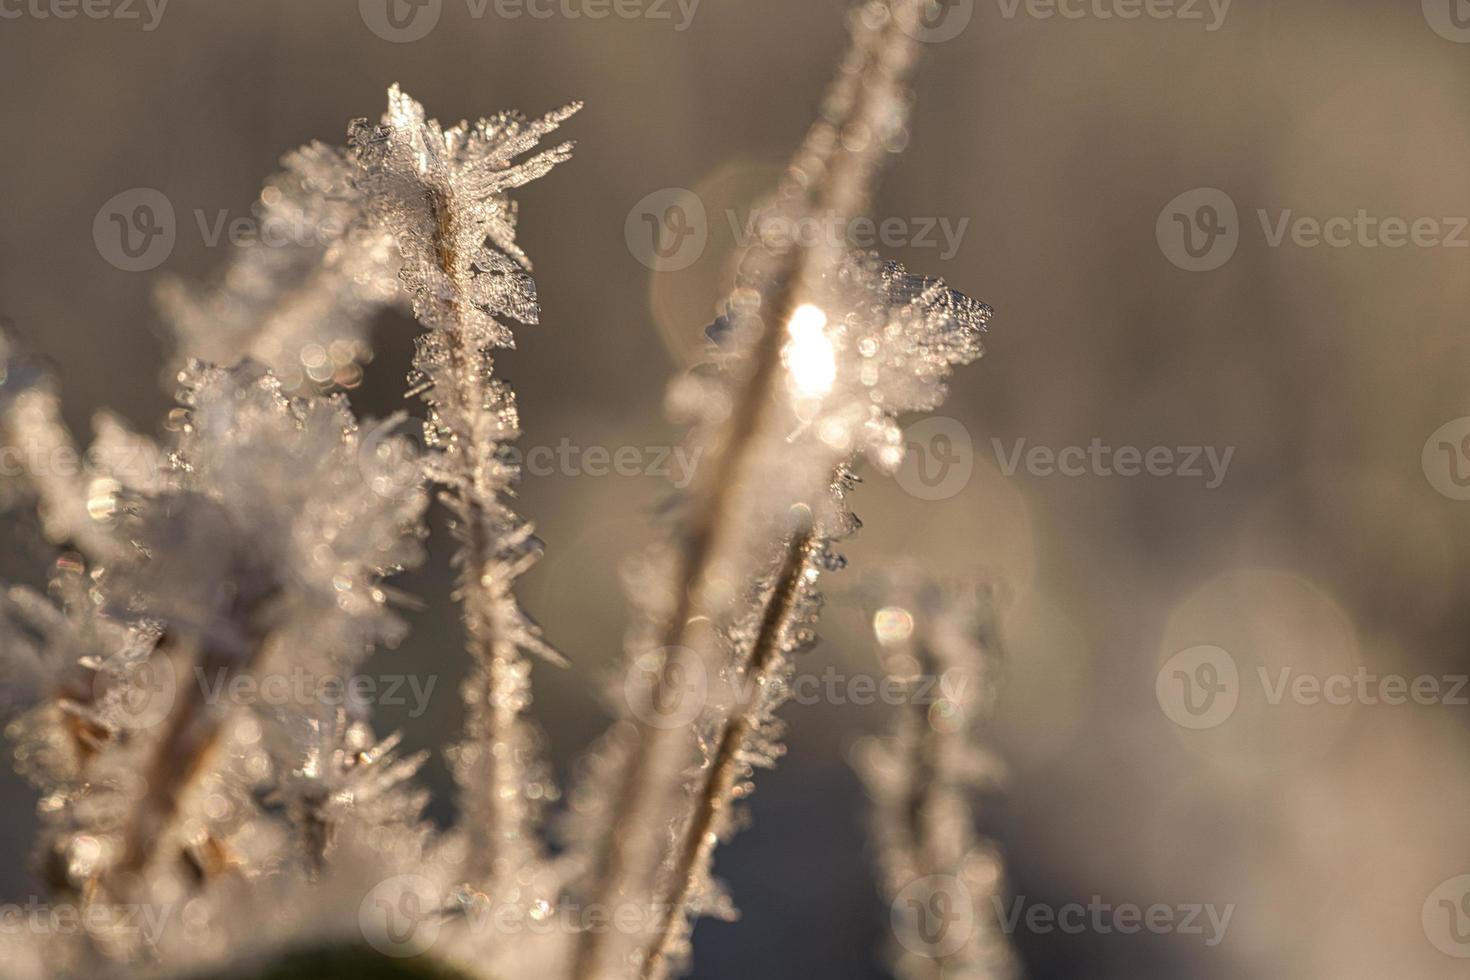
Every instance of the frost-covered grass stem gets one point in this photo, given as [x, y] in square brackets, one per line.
[716, 789]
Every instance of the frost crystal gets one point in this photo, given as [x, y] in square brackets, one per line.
[822, 352]
[926, 775]
[873, 343]
[442, 194]
[254, 546]
[286, 500]
[259, 549]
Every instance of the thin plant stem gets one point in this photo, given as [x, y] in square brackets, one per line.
[838, 175]
[714, 795]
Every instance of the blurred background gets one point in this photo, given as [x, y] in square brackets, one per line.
[1133, 188]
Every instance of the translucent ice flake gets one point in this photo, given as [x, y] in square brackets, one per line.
[442, 195]
[287, 500]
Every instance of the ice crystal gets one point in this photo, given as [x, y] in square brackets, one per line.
[823, 351]
[442, 193]
[873, 343]
[260, 547]
[75, 494]
[926, 776]
[336, 779]
[255, 545]
[287, 500]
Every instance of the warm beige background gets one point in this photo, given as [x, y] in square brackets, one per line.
[1060, 140]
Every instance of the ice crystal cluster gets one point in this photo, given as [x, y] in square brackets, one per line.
[927, 774]
[199, 829]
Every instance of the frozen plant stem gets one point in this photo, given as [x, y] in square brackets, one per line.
[834, 173]
[483, 590]
[927, 775]
[183, 751]
[716, 790]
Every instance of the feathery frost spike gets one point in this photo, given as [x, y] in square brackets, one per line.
[338, 779]
[926, 775]
[71, 493]
[264, 554]
[443, 195]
